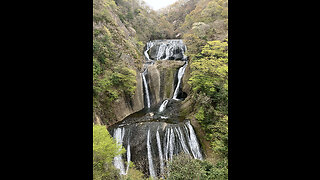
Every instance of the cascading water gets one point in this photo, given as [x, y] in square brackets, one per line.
[160, 153]
[143, 75]
[163, 105]
[172, 49]
[128, 157]
[150, 160]
[161, 50]
[153, 136]
[181, 139]
[118, 135]
[193, 142]
[180, 74]
[149, 45]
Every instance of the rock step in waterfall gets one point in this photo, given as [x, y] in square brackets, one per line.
[171, 49]
[150, 141]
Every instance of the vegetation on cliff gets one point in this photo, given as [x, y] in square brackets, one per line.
[105, 149]
[186, 168]
[120, 30]
[203, 25]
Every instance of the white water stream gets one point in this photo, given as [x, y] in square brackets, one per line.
[150, 160]
[180, 74]
[171, 139]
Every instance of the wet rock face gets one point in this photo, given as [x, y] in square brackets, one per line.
[166, 50]
[162, 79]
[158, 142]
[125, 106]
[178, 55]
[153, 135]
[154, 52]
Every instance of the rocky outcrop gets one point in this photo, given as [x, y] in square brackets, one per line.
[116, 41]
[185, 86]
[170, 49]
[125, 106]
[97, 119]
[162, 79]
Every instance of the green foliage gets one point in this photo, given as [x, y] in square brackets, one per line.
[144, 20]
[219, 171]
[108, 85]
[203, 26]
[120, 30]
[104, 147]
[111, 83]
[206, 11]
[200, 116]
[209, 82]
[183, 167]
[100, 10]
[104, 150]
[124, 78]
[210, 70]
[204, 29]
[133, 173]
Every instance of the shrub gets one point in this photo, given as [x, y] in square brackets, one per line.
[183, 167]
[104, 150]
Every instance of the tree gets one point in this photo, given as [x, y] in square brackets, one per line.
[210, 68]
[104, 150]
[183, 167]
[209, 82]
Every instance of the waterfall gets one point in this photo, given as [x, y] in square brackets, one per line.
[171, 144]
[166, 148]
[149, 45]
[151, 169]
[180, 74]
[161, 50]
[193, 143]
[128, 157]
[169, 52]
[160, 153]
[177, 138]
[118, 135]
[166, 49]
[146, 87]
[163, 105]
[184, 50]
[128, 154]
[170, 135]
[182, 141]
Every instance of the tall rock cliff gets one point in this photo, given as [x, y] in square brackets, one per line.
[120, 32]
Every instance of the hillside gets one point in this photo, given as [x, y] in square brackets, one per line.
[123, 73]
[121, 29]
